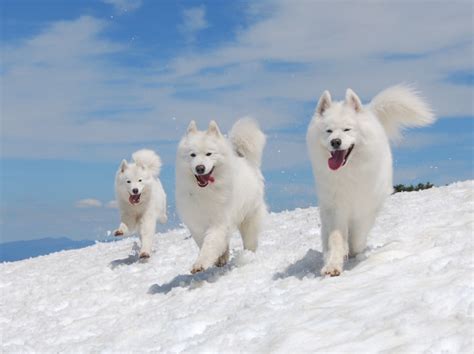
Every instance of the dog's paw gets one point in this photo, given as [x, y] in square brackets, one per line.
[201, 264]
[331, 270]
[118, 233]
[144, 255]
[222, 260]
[197, 269]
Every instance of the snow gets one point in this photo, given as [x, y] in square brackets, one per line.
[412, 290]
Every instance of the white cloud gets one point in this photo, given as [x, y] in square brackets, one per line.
[67, 80]
[343, 45]
[88, 203]
[112, 204]
[122, 6]
[416, 140]
[194, 20]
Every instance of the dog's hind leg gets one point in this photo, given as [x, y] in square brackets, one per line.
[161, 212]
[250, 228]
[358, 232]
[163, 218]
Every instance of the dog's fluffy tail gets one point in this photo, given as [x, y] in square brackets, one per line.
[248, 140]
[149, 159]
[401, 106]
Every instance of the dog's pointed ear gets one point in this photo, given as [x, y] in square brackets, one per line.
[353, 100]
[213, 128]
[123, 166]
[324, 103]
[192, 127]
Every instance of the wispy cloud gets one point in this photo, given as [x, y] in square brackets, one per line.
[112, 204]
[88, 203]
[80, 99]
[124, 6]
[194, 20]
[461, 77]
[417, 140]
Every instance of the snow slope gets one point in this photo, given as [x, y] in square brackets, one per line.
[411, 292]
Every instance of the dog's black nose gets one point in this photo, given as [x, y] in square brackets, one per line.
[336, 143]
[200, 169]
[135, 190]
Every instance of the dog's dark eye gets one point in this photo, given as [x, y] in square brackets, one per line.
[140, 180]
[193, 155]
[129, 181]
[347, 129]
[209, 154]
[329, 131]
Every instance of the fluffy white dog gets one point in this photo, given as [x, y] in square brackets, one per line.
[141, 198]
[348, 144]
[219, 188]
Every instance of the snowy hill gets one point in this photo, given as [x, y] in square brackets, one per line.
[411, 292]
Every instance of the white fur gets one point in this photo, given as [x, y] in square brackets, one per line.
[235, 200]
[141, 174]
[401, 106]
[351, 196]
[148, 159]
[248, 141]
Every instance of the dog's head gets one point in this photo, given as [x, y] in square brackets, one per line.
[203, 152]
[132, 181]
[337, 127]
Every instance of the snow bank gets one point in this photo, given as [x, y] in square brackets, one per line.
[412, 291]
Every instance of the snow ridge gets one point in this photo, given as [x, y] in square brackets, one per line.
[410, 292]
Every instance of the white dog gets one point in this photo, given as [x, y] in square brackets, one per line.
[141, 198]
[348, 144]
[219, 188]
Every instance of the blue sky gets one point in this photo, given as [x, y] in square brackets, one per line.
[86, 83]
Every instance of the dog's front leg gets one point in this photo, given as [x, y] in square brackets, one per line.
[147, 231]
[335, 254]
[215, 244]
[334, 238]
[122, 230]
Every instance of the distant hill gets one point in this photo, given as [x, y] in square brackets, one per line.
[18, 250]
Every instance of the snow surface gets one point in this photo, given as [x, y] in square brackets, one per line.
[412, 291]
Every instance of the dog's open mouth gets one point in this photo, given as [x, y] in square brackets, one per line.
[203, 180]
[339, 158]
[134, 198]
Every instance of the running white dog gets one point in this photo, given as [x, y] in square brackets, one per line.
[141, 198]
[219, 188]
[348, 144]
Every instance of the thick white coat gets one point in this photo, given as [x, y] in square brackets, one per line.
[351, 196]
[141, 174]
[234, 200]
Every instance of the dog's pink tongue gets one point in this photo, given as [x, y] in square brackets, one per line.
[336, 160]
[206, 178]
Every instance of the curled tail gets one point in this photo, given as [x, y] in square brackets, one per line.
[248, 140]
[401, 106]
[149, 159]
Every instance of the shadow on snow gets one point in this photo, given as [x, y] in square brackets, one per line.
[310, 266]
[191, 281]
[130, 259]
